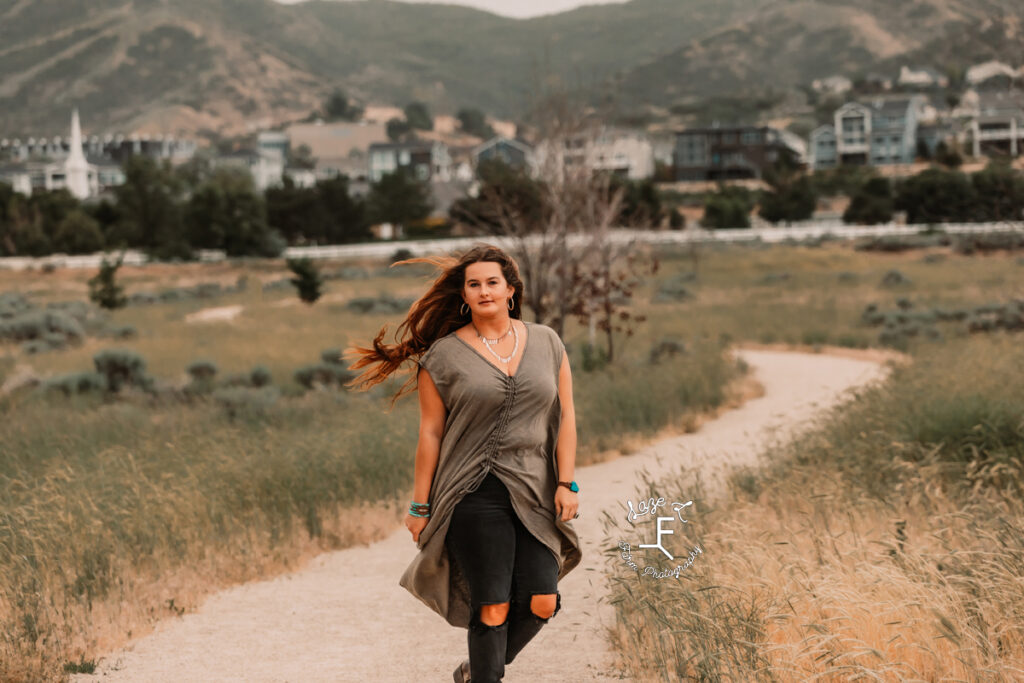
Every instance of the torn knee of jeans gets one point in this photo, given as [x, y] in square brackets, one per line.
[558, 606]
[477, 620]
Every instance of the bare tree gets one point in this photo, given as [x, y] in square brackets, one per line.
[559, 222]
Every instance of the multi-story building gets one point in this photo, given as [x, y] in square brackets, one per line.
[875, 131]
[340, 148]
[426, 160]
[621, 151]
[997, 124]
[729, 152]
[115, 148]
[515, 153]
[68, 168]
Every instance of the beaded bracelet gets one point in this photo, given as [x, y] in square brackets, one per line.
[419, 509]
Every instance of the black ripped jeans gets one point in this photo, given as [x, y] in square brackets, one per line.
[502, 562]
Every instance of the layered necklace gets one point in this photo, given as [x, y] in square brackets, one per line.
[488, 343]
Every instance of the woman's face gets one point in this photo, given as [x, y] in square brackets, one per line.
[486, 290]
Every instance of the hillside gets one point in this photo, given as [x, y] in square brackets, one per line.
[227, 66]
[788, 44]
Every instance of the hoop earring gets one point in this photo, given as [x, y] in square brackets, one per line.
[511, 303]
[464, 308]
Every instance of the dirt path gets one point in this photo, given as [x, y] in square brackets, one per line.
[345, 618]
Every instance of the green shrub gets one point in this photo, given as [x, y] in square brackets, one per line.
[401, 254]
[895, 278]
[120, 332]
[77, 383]
[383, 303]
[332, 355]
[121, 368]
[37, 324]
[666, 348]
[34, 347]
[202, 370]
[260, 376]
[245, 402]
[13, 303]
[322, 375]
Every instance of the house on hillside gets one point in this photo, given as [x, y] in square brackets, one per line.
[515, 153]
[921, 77]
[997, 124]
[991, 74]
[427, 160]
[874, 131]
[624, 152]
[833, 85]
[340, 148]
[728, 153]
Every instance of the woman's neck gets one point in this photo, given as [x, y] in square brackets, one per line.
[492, 327]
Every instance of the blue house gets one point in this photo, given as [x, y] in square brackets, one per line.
[515, 153]
[876, 131]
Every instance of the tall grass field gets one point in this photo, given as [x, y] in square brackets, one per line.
[119, 511]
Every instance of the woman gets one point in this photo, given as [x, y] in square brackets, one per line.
[494, 489]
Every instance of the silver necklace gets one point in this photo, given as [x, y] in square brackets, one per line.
[485, 340]
[489, 342]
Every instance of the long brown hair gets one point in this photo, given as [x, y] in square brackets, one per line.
[432, 316]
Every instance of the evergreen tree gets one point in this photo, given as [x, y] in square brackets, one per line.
[474, 122]
[308, 280]
[103, 288]
[227, 213]
[871, 204]
[418, 116]
[728, 208]
[398, 198]
[78, 233]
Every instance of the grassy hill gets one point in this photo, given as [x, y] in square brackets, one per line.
[232, 65]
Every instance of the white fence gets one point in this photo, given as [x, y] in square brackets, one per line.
[421, 247]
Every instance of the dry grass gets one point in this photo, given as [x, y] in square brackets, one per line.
[873, 548]
[163, 505]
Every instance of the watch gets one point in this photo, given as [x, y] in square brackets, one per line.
[571, 485]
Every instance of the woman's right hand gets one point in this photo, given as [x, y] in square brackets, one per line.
[415, 525]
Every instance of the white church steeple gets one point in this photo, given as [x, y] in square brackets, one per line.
[76, 168]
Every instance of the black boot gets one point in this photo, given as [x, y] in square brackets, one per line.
[486, 651]
[525, 626]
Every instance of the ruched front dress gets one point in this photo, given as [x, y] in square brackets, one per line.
[495, 423]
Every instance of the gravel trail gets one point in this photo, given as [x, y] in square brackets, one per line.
[343, 617]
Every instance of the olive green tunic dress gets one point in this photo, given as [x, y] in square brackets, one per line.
[508, 425]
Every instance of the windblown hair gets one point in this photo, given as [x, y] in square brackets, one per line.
[432, 316]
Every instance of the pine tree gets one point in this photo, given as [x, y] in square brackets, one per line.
[307, 280]
[103, 288]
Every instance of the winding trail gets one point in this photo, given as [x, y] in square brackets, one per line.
[344, 617]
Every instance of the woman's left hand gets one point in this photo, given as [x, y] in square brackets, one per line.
[567, 503]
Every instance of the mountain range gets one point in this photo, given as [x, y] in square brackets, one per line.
[211, 67]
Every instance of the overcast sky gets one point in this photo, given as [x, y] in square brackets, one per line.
[513, 8]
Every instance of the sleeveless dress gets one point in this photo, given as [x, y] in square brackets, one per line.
[500, 424]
